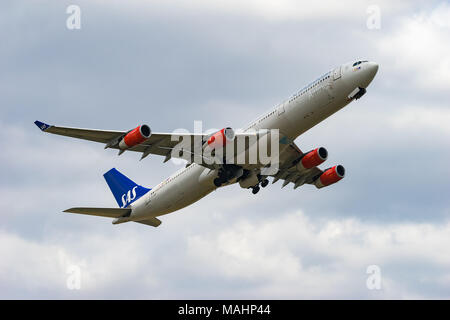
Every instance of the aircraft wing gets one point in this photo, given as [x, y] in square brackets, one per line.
[157, 143]
[288, 172]
[164, 144]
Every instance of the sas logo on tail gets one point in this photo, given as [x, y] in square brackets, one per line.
[128, 197]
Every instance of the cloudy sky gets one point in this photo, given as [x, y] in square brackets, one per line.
[169, 63]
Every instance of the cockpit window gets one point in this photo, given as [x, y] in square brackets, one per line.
[359, 62]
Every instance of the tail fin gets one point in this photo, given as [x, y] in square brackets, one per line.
[124, 190]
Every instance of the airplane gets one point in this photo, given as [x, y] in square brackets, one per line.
[306, 108]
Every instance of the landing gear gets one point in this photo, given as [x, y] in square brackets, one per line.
[227, 173]
[264, 183]
[256, 188]
[217, 182]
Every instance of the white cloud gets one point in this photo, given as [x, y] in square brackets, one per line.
[272, 10]
[29, 268]
[280, 9]
[35, 268]
[419, 47]
[296, 257]
[290, 256]
[422, 118]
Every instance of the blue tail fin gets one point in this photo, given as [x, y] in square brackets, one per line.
[124, 190]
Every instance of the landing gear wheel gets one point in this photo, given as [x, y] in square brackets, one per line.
[264, 183]
[255, 190]
[217, 182]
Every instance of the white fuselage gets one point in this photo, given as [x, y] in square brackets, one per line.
[308, 107]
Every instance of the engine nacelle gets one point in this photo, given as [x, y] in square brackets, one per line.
[249, 181]
[221, 138]
[312, 159]
[330, 176]
[135, 137]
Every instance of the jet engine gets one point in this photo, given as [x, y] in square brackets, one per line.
[312, 159]
[221, 138]
[135, 137]
[330, 176]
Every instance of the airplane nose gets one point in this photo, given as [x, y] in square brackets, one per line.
[369, 70]
[372, 69]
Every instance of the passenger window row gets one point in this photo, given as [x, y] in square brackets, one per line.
[309, 88]
[266, 116]
[170, 179]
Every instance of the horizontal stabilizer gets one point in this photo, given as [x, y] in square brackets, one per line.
[154, 222]
[102, 212]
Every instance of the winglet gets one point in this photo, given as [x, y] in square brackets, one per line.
[41, 125]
